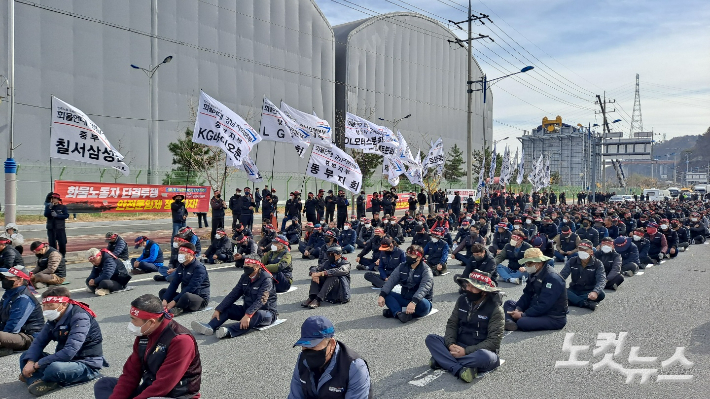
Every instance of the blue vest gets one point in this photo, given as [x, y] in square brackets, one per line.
[584, 278]
[336, 387]
[92, 345]
[146, 252]
[473, 319]
[34, 323]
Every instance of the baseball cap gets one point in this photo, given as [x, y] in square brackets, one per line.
[314, 330]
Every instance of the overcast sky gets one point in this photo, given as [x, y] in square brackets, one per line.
[579, 49]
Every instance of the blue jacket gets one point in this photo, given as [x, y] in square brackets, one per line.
[84, 332]
[108, 269]
[55, 222]
[155, 252]
[19, 311]
[436, 248]
[389, 261]
[545, 294]
[191, 278]
[630, 256]
[347, 237]
[358, 379]
[643, 246]
[253, 293]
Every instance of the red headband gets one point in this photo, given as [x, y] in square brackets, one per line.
[186, 249]
[482, 278]
[5, 241]
[143, 315]
[253, 262]
[19, 273]
[41, 246]
[584, 244]
[281, 241]
[411, 251]
[63, 299]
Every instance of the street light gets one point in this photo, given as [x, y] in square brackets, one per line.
[396, 121]
[484, 82]
[153, 135]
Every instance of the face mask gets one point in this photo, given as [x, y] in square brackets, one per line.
[420, 223]
[434, 240]
[51, 315]
[386, 221]
[606, 249]
[637, 238]
[217, 236]
[530, 269]
[181, 258]
[474, 297]
[513, 243]
[136, 330]
[585, 224]
[529, 221]
[315, 359]
[664, 226]
[38, 255]
[7, 284]
[346, 227]
[564, 220]
[331, 257]
[583, 255]
[274, 248]
[248, 270]
[368, 225]
[517, 226]
[176, 245]
[694, 219]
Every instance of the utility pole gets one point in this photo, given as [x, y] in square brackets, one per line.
[606, 130]
[153, 136]
[469, 98]
[10, 164]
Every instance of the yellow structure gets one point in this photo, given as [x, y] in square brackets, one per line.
[552, 124]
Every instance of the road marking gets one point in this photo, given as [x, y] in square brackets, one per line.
[276, 323]
[289, 290]
[427, 377]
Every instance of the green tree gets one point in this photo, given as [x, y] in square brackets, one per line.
[453, 171]
[476, 167]
[369, 164]
[198, 160]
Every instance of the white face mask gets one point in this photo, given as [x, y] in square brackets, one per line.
[530, 269]
[386, 221]
[528, 221]
[181, 258]
[517, 226]
[637, 238]
[274, 248]
[135, 330]
[368, 225]
[217, 236]
[564, 220]
[175, 244]
[606, 249]
[513, 243]
[583, 255]
[51, 315]
[346, 227]
[433, 239]
[664, 226]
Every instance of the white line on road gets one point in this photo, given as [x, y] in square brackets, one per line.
[427, 377]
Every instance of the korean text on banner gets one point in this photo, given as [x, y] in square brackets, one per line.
[364, 135]
[217, 125]
[318, 128]
[249, 167]
[77, 138]
[90, 197]
[333, 165]
[277, 126]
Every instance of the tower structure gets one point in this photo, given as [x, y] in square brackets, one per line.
[636, 118]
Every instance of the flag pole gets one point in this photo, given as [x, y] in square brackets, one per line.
[51, 178]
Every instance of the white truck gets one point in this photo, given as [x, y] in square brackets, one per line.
[655, 194]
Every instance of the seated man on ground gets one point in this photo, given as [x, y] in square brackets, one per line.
[612, 263]
[481, 260]
[78, 356]
[330, 281]
[390, 257]
[108, 273]
[258, 310]
[192, 279]
[513, 252]
[221, 249]
[437, 252]
[474, 330]
[543, 305]
[278, 262]
[151, 258]
[417, 281]
[586, 289]
[149, 372]
[51, 267]
[21, 317]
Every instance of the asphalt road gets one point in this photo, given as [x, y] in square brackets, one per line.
[663, 309]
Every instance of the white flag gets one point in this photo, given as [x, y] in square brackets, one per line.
[318, 128]
[217, 125]
[334, 165]
[546, 181]
[414, 175]
[492, 173]
[481, 173]
[505, 167]
[403, 152]
[521, 167]
[369, 137]
[435, 156]
[249, 167]
[277, 126]
[77, 138]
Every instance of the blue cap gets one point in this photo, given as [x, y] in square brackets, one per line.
[139, 240]
[314, 330]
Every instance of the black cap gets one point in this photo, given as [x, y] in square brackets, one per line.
[336, 249]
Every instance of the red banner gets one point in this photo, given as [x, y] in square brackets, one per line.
[402, 201]
[90, 197]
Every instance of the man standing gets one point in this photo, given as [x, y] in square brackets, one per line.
[21, 316]
[235, 206]
[361, 204]
[179, 214]
[474, 330]
[326, 366]
[218, 206]
[330, 201]
[165, 362]
[56, 214]
[246, 217]
[293, 209]
[421, 199]
[310, 209]
[342, 204]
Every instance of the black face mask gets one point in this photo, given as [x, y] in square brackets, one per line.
[315, 360]
[411, 260]
[474, 297]
[331, 257]
[585, 224]
[7, 284]
[248, 270]
[39, 255]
